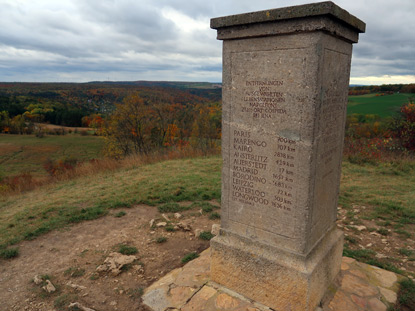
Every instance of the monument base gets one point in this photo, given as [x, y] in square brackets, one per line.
[274, 277]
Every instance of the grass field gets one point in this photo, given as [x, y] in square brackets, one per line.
[163, 184]
[27, 153]
[383, 106]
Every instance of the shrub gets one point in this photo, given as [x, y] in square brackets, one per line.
[403, 128]
[189, 257]
[9, 253]
[161, 239]
[127, 249]
[206, 235]
[214, 215]
[120, 214]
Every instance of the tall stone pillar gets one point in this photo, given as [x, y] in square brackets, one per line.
[285, 86]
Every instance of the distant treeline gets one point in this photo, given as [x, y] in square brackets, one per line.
[385, 88]
[68, 104]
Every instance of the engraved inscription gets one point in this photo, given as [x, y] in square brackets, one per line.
[267, 93]
[248, 169]
[262, 99]
[283, 178]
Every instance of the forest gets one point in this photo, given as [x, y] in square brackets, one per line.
[132, 116]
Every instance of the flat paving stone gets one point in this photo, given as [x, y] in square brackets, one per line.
[361, 287]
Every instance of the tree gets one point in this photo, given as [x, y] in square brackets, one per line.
[127, 130]
[404, 127]
[206, 130]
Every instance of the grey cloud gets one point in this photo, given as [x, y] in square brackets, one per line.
[133, 39]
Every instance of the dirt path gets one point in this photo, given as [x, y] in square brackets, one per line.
[73, 254]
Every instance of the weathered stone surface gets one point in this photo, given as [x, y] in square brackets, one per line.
[348, 260]
[177, 287]
[226, 302]
[386, 278]
[215, 229]
[294, 12]
[49, 287]
[376, 305]
[295, 283]
[341, 302]
[115, 262]
[389, 295]
[358, 273]
[200, 300]
[37, 279]
[359, 301]
[355, 285]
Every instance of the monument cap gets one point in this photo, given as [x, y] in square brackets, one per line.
[326, 8]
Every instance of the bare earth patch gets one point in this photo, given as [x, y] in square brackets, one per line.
[69, 259]
[384, 240]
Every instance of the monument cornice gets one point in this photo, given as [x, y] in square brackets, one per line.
[327, 8]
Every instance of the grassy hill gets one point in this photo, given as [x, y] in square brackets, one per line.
[384, 106]
[163, 184]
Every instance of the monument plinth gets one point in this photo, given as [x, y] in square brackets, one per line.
[285, 86]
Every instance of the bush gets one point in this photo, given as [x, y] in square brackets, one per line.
[9, 253]
[127, 249]
[206, 235]
[403, 128]
[189, 257]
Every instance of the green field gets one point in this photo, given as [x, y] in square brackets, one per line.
[27, 153]
[383, 106]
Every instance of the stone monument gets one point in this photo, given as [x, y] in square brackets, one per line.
[285, 86]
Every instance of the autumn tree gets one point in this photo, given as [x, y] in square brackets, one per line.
[403, 127]
[127, 130]
[206, 130]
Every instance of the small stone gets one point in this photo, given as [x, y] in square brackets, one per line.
[75, 286]
[161, 224]
[380, 256]
[197, 232]
[177, 215]
[215, 229]
[113, 303]
[359, 228]
[114, 263]
[369, 245]
[185, 225]
[49, 287]
[165, 217]
[152, 223]
[37, 279]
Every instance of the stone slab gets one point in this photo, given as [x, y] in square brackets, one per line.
[209, 296]
[327, 8]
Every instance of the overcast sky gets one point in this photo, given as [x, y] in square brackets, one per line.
[170, 40]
